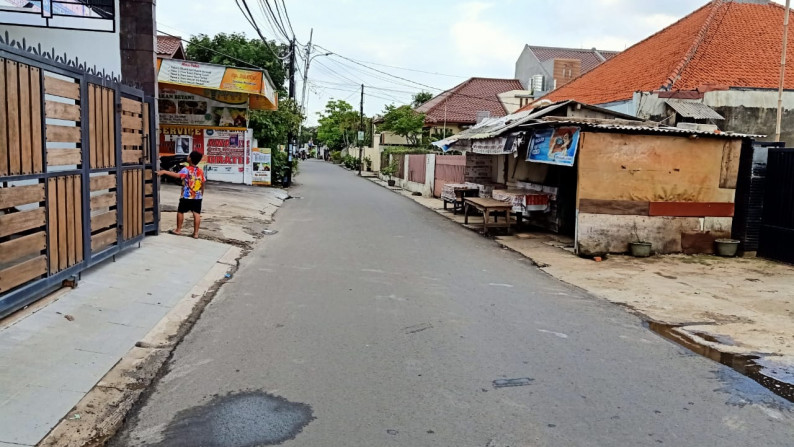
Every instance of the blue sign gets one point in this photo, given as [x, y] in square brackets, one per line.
[554, 146]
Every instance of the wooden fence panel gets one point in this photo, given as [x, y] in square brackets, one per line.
[26, 158]
[65, 223]
[3, 122]
[22, 235]
[36, 123]
[133, 203]
[132, 132]
[12, 103]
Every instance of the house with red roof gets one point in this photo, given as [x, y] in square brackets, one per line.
[719, 65]
[542, 69]
[170, 47]
[466, 104]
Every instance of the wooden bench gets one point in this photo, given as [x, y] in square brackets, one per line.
[460, 195]
[489, 208]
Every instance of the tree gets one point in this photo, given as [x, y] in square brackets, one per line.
[271, 127]
[421, 98]
[338, 125]
[403, 121]
[244, 53]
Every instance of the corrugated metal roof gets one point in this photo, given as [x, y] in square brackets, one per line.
[639, 129]
[694, 110]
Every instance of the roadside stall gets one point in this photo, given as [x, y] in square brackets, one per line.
[205, 108]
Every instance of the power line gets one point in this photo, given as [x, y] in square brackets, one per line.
[252, 21]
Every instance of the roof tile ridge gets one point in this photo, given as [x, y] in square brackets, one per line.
[716, 6]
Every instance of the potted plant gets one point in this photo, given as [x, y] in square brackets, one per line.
[639, 248]
[368, 163]
[726, 247]
[389, 171]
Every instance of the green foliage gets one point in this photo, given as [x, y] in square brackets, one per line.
[421, 98]
[350, 162]
[368, 163]
[336, 157]
[200, 48]
[405, 150]
[403, 121]
[271, 127]
[338, 125]
[390, 170]
[279, 166]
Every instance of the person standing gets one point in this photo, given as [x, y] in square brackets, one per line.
[193, 181]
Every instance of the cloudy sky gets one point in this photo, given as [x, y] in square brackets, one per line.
[438, 43]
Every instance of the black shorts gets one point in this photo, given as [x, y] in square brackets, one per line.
[192, 205]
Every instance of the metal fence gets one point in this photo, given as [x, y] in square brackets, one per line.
[449, 169]
[777, 230]
[77, 180]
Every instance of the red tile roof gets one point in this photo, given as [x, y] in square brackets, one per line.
[461, 103]
[590, 58]
[723, 43]
[168, 46]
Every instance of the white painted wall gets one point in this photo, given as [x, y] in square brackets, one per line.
[100, 49]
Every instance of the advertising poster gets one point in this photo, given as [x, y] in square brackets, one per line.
[554, 146]
[261, 158]
[227, 154]
[212, 108]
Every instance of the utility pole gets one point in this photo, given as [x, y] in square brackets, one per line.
[782, 72]
[361, 129]
[291, 134]
[305, 80]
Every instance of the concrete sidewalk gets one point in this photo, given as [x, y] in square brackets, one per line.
[53, 357]
[742, 306]
[77, 360]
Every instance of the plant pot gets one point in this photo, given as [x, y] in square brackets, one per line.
[640, 249]
[392, 182]
[726, 247]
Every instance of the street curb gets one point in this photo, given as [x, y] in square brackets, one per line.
[102, 411]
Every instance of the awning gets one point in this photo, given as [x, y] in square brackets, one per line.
[198, 77]
[694, 110]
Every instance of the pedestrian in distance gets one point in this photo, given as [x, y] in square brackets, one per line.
[193, 180]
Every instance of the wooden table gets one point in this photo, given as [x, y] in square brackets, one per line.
[488, 207]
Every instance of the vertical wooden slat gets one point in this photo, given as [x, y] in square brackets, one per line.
[3, 122]
[36, 119]
[93, 141]
[25, 155]
[63, 246]
[78, 218]
[139, 202]
[52, 211]
[103, 99]
[126, 211]
[70, 211]
[110, 118]
[147, 147]
[12, 100]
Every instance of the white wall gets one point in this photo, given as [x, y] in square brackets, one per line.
[95, 48]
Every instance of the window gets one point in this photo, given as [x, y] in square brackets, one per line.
[90, 15]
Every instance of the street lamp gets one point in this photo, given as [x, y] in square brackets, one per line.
[305, 82]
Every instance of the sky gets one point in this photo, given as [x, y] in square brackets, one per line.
[437, 43]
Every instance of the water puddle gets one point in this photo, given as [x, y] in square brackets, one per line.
[238, 420]
[747, 365]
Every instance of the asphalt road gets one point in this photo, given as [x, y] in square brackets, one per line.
[368, 320]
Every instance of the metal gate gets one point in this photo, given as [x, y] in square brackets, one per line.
[417, 168]
[777, 230]
[76, 171]
[449, 169]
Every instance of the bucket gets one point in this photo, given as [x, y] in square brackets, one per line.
[726, 247]
[640, 249]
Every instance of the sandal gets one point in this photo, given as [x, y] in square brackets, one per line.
[174, 233]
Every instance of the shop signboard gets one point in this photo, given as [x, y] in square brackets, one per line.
[211, 108]
[262, 166]
[555, 146]
[198, 75]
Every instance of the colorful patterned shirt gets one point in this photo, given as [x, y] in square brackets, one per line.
[192, 182]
